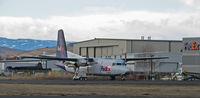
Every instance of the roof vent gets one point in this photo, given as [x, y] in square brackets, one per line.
[149, 38]
[142, 37]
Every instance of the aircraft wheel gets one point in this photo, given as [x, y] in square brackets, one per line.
[123, 77]
[85, 78]
[81, 78]
[75, 79]
[112, 77]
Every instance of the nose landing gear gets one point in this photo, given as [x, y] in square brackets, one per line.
[79, 75]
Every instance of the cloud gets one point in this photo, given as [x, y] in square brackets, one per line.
[102, 9]
[192, 3]
[25, 27]
[128, 24]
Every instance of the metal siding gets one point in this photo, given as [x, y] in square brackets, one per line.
[176, 46]
[128, 46]
[191, 60]
[192, 68]
[91, 52]
[167, 67]
[162, 65]
[116, 50]
[150, 46]
[104, 51]
[83, 52]
[76, 49]
[98, 52]
[118, 45]
[110, 51]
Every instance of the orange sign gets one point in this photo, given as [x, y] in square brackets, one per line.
[195, 46]
[191, 46]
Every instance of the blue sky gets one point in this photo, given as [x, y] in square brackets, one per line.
[87, 19]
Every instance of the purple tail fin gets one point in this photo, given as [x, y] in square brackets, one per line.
[61, 50]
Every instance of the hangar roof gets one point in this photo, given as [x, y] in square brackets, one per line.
[129, 40]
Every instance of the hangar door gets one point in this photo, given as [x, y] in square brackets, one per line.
[96, 51]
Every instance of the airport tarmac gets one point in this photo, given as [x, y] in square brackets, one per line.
[82, 97]
[98, 89]
[77, 82]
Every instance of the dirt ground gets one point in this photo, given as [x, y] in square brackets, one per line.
[101, 90]
[92, 89]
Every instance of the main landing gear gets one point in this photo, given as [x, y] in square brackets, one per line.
[79, 75]
[112, 78]
[122, 77]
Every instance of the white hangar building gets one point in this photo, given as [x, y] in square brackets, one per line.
[105, 47]
[119, 48]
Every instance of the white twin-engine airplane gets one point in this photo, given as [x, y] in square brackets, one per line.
[95, 66]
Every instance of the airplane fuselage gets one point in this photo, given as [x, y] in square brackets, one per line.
[104, 67]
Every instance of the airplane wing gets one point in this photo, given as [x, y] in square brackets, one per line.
[144, 58]
[19, 61]
[89, 59]
[58, 58]
[51, 58]
[80, 61]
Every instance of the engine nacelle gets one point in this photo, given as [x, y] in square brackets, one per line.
[82, 62]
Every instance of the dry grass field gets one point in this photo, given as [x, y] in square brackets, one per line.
[101, 90]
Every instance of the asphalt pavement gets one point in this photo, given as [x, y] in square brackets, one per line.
[106, 82]
[5, 96]
[77, 82]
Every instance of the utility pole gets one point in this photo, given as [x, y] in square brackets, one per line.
[151, 69]
[151, 63]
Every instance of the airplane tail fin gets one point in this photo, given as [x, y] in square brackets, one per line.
[61, 50]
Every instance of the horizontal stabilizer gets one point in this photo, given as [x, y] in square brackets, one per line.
[34, 60]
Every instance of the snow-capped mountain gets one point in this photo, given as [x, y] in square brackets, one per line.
[26, 44]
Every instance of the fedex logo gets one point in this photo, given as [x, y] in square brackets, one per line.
[192, 46]
[107, 68]
[60, 48]
[195, 46]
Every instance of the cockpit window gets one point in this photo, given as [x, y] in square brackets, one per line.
[118, 64]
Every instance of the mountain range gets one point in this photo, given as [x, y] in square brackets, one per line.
[26, 44]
